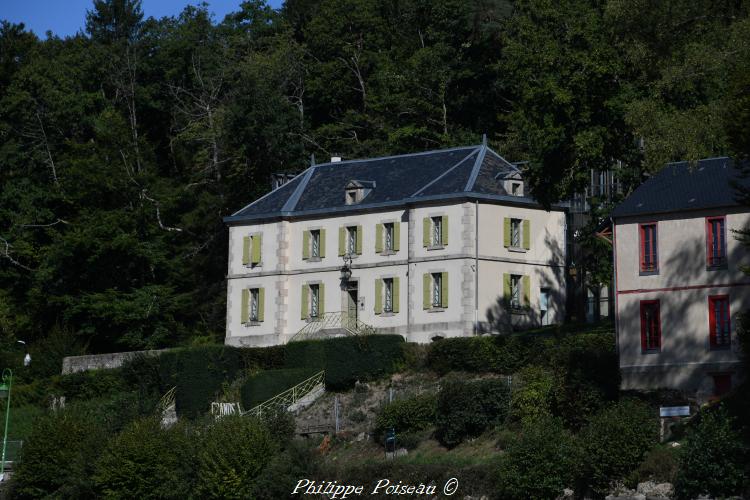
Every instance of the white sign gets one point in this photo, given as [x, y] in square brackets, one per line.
[674, 411]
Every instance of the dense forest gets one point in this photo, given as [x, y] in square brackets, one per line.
[122, 148]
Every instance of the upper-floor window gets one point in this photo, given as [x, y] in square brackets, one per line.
[251, 247]
[515, 233]
[649, 252]
[351, 240]
[388, 237]
[719, 322]
[716, 241]
[437, 231]
[650, 326]
[315, 243]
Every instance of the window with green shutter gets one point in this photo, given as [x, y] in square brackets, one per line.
[396, 294]
[246, 244]
[378, 296]
[256, 247]
[506, 232]
[358, 246]
[342, 241]
[426, 291]
[244, 305]
[304, 301]
[426, 232]
[526, 290]
[526, 234]
[378, 238]
[444, 230]
[305, 244]
[444, 289]
[322, 243]
[396, 236]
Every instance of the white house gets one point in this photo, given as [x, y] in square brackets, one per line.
[440, 243]
[679, 281]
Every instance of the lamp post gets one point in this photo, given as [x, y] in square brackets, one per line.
[5, 392]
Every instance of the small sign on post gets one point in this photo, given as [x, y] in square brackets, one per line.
[674, 411]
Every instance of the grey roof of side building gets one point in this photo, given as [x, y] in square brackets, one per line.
[684, 186]
[474, 172]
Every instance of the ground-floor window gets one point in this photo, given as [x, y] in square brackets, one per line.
[718, 321]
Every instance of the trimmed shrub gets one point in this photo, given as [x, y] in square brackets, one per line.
[267, 384]
[466, 409]
[713, 459]
[540, 463]
[146, 461]
[498, 354]
[406, 415]
[350, 359]
[278, 478]
[531, 399]
[233, 452]
[91, 384]
[58, 458]
[615, 442]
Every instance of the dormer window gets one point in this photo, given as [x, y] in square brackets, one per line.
[356, 191]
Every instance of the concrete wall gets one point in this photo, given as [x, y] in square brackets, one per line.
[283, 271]
[682, 285]
[73, 364]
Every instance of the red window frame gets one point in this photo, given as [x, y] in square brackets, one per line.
[650, 342]
[716, 244]
[719, 322]
[649, 249]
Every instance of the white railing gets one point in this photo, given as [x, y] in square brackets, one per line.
[320, 327]
[289, 397]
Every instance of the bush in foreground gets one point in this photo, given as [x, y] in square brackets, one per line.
[713, 458]
[615, 442]
[232, 453]
[146, 461]
[540, 463]
[466, 409]
[406, 415]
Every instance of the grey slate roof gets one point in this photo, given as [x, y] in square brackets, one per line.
[462, 172]
[679, 186]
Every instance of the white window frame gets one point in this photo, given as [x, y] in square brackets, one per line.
[315, 243]
[351, 240]
[254, 305]
[314, 300]
[436, 295]
[388, 295]
[437, 230]
[388, 232]
[515, 291]
[516, 233]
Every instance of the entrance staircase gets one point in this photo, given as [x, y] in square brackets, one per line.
[333, 324]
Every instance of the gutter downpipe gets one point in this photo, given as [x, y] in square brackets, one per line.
[476, 267]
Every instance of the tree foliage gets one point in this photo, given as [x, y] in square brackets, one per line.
[123, 146]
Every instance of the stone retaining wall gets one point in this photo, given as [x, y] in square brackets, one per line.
[73, 364]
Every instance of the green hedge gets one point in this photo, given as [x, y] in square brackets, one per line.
[350, 359]
[498, 354]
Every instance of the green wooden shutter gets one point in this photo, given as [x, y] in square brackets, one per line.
[396, 236]
[444, 233]
[444, 290]
[506, 288]
[342, 241]
[378, 238]
[359, 240]
[506, 232]
[378, 296]
[526, 290]
[303, 306]
[305, 244]
[321, 300]
[322, 243]
[426, 232]
[246, 250]
[261, 303]
[244, 305]
[426, 282]
[396, 295]
[526, 234]
[255, 258]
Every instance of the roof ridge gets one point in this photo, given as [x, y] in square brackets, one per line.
[433, 181]
[388, 157]
[724, 157]
[475, 169]
[269, 193]
[294, 198]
